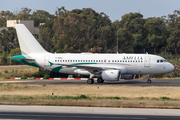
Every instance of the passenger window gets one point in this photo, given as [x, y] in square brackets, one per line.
[112, 60]
[104, 60]
[60, 60]
[157, 61]
[55, 60]
[108, 60]
[65, 60]
[83, 60]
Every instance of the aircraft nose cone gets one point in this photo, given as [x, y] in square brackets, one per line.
[171, 67]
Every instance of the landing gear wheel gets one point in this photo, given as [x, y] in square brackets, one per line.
[90, 81]
[149, 81]
[100, 80]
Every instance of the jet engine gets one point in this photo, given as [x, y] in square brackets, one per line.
[111, 75]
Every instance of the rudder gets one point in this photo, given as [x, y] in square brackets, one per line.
[28, 43]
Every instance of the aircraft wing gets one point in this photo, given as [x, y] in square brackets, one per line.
[89, 66]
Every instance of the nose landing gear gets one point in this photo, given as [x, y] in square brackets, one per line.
[148, 81]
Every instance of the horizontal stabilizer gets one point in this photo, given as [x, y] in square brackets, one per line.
[22, 57]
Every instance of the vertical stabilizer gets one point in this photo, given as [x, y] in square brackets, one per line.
[27, 41]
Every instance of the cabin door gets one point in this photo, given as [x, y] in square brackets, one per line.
[46, 61]
[147, 61]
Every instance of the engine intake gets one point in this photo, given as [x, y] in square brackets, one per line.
[111, 75]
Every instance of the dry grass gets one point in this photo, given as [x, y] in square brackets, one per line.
[114, 96]
[17, 70]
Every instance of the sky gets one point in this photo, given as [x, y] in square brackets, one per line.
[113, 8]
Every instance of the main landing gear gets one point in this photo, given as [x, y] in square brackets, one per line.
[90, 81]
[100, 80]
[149, 81]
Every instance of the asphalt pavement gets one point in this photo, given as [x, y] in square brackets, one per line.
[88, 113]
[155, 82]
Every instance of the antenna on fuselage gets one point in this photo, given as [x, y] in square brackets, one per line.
[146, 52]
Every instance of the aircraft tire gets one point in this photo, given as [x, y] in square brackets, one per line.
[100, 80]
[90, 81]
[149, 81]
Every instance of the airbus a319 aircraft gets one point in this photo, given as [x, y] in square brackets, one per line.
[105, 67]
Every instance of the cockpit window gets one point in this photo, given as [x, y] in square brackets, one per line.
[161, 61]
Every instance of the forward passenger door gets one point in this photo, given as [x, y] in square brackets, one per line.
[147, 61]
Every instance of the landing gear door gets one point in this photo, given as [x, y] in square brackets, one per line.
[147, 61]
[46, 61]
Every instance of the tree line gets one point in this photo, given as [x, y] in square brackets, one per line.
[85, 30]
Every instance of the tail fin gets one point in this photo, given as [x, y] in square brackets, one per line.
[28, 44]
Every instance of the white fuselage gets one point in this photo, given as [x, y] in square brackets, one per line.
[104, 66]
[126, 63]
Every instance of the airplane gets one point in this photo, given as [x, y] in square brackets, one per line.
[105, 67]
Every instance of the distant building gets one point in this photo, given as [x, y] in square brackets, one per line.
[28, 23]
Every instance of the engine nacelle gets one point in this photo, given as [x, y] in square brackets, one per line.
[111, 75]
[127, 76]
